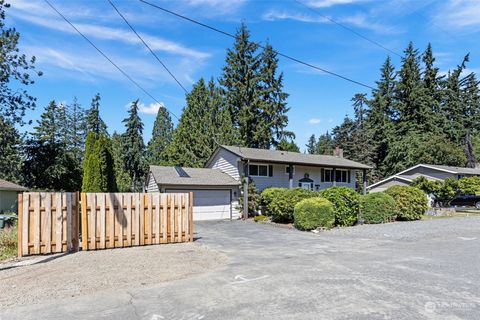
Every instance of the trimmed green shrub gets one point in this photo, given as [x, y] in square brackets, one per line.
[378, 207]
[346, 203]
[260, 218]
[411, 202]
[268, 194]
[283, 203]
[312, 213]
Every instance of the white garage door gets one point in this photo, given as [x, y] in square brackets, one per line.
[209, 204]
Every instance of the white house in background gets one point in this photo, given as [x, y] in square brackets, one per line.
[216, 188]
[429, 171]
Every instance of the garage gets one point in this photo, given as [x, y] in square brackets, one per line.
[209, 204]
[215, 193]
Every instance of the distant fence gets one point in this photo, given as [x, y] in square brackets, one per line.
[48, 222]
[115, 220]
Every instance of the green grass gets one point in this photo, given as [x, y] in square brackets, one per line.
[466, 213]
[8, 243]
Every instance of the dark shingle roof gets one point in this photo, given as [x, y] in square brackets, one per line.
[191, 176]
[7, 185]
[457, 170]
[294, 158]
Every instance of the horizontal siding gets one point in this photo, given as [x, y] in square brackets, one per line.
[152, 185]
[428, 172]
[8, 201]
[226, 162]
[384, 186]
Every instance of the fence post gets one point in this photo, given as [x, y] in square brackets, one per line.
[19, 225]
[84, 222]
[190, 203]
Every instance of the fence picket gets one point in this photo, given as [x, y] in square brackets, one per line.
[48, 222]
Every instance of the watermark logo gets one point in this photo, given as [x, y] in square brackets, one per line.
[431, 306]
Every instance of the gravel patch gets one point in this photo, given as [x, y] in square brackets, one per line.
[36, 279]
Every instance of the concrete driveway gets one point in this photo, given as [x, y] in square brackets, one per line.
[411, 270]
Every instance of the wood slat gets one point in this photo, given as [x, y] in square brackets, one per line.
[120, 217]
[128, 200]
[20, 225]
[93, 221]
[84, 231]
[103, 217]
[69, 203]
[26, 224]
[190, 205]
[37, 225]
[164, 222]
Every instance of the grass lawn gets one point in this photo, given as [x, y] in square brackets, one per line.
[459, 213]
[8, 242]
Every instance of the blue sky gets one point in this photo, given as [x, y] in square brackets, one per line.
[318, 101]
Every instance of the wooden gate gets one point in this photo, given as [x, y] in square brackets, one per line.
[47, 222]
[115, 220]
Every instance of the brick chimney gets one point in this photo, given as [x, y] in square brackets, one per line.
[338, 152]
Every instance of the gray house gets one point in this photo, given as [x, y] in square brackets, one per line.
[8, 195]
[216, 187]
[429, 171]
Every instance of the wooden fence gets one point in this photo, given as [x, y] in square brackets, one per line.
[48, 222]
[114, 220]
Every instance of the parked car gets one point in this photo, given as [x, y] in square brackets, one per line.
[466, 200]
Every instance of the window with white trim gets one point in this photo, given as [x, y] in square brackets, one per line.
[341, 175]
[258, 170]
[287, 169]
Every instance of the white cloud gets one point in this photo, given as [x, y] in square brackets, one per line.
[217, 7]
[361, 20]
[152, 108]
[314, 121]
[330, 3]
[459, 14]
[273, 15]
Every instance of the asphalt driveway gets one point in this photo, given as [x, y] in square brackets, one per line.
[414, 270]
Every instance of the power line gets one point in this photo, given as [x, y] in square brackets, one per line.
[148, 47]
[106, 57]
[261, 46]
[348, 28]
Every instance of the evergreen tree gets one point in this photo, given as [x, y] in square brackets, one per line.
[94, 121]
[324, 144]
[10, 152]
[98, 165]
[122, 179]
[311, 145]
[16, 72]
[134, 148]
[162, 135]
[288, 145]
[77, 129]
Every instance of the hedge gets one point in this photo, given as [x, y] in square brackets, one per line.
[282, 205]
[411, 202]
[378, 207]
[269, 194]
[312, 213]
[346, 203]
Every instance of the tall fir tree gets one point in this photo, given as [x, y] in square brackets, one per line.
[162, 135]
[134, 155]
[122, 178]
[10, 152]
[98, 164]
[94, 121]
[288, 145]
[311, 144]
[324, 144]
[77, 129]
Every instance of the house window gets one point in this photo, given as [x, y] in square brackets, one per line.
[340, 175]
[328, 175]
[287, 170]
[258, 170]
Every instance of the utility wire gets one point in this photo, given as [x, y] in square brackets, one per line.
[348, 28]
[261, 46]
[106, 57]
[148, 47]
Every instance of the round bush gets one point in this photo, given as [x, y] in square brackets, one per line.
[378, 207]
[312, 213]
[268, 194]
[283, 203]
[411, 202]
[346, 203]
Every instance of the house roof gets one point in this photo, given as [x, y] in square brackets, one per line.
[191, 176]
[278, 156]
[10, 186]
[457, 170]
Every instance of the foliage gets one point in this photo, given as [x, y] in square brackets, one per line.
[288, 145]
[95, 123]
[345, 203]
[411, 202]
[162, 135]
[282, 205]
[98, 166]
[469, 185]
[269, 194]
[133, 149]
[444, 191]
[8, 242]
[253, 197]
[16, 72]
[312, 213]
[377, 207]
[10, 151]
[324, 144]
[260, 218]
[122, 179]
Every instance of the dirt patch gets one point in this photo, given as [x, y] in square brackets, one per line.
[57, 276]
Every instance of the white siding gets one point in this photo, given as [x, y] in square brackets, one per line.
[227, 162]
[152, 185]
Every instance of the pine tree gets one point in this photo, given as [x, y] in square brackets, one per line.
[162, 135]
[122, 179]
[134, 158]
[98, 165]
[311, 145]
[10, 151]
[77, 129]
[94, 121]
[324, 144]
[432, 90]
[288, 145]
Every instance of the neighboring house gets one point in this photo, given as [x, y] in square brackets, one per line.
[9, 195]
[215, 193]
[429, 171]
[220, 181]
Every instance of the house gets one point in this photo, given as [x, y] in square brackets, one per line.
[8, 195]
[429, 171]
[216, 187]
